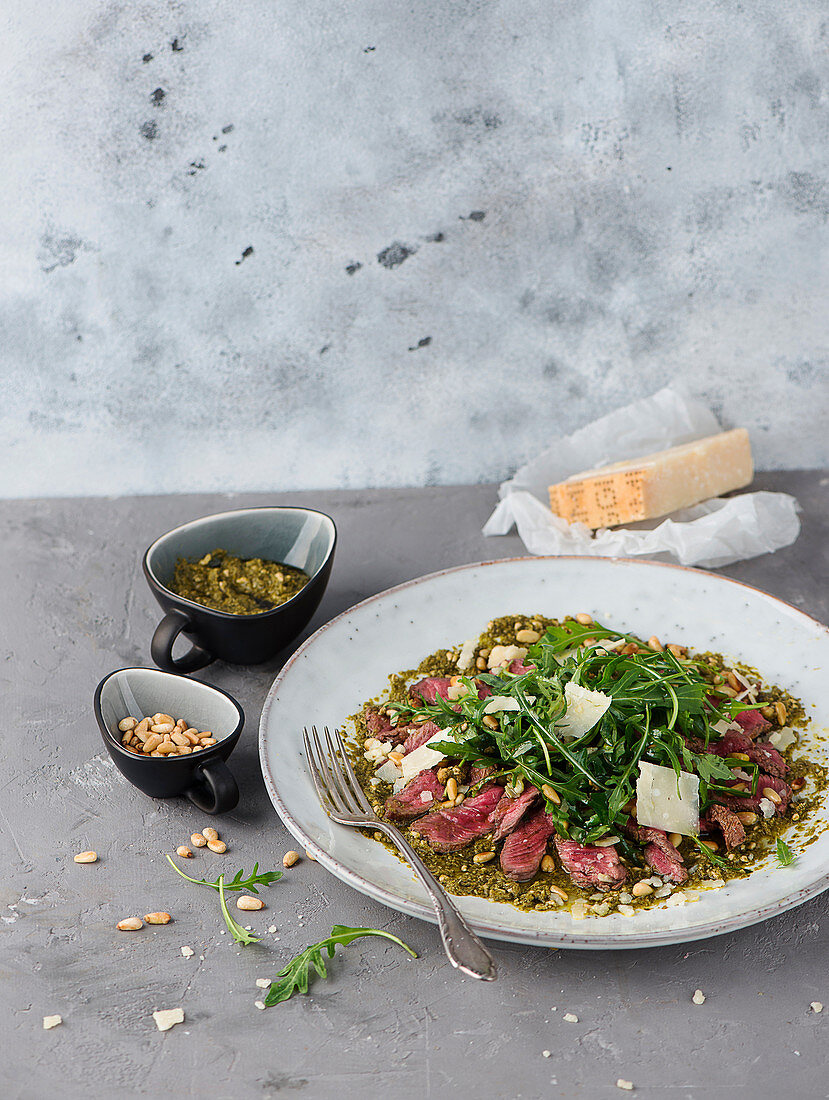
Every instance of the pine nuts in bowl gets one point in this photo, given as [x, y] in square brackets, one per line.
[170, 735]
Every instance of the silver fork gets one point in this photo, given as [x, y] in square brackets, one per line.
[343, 800]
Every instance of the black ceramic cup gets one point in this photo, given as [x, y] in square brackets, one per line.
[296, 536]
[202, 776]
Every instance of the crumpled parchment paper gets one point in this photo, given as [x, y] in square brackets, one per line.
[715, 532]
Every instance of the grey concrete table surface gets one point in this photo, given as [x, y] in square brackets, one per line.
[75, 606]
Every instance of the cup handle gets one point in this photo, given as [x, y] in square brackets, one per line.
[161, 647]
[215, 791]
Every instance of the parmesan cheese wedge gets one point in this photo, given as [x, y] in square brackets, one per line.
[656, 484]
[665, 802]
[584, 709]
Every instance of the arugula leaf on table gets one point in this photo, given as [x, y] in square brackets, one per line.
[240, 934]
[295, 976]
[254, 880]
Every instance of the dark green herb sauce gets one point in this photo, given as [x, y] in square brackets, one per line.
[461, 876]
[238, 586]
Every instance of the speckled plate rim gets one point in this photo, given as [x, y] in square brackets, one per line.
[493, 930]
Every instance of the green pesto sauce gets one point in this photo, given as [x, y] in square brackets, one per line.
[459, 875]
[238, 586]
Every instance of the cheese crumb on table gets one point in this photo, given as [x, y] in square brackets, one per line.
[263, 983]
[698, 997]
[188, 952]
[53, 1021]
[621, 1083]
[571, 1018]
[815, 1006]
[260, 1005]
[166, 1018]
[546, 1053]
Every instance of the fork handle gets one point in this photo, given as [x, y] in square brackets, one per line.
[463, 948]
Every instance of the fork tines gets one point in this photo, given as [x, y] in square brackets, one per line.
[336, 784]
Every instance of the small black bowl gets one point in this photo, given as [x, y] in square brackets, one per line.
[300, 537]
[201, 776]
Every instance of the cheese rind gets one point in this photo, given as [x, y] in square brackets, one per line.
[656, 484]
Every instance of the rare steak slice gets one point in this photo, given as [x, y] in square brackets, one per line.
[510, 810]
[418, 735]
[729, 825]
[429, 688]
[749, 801]
[524, 848]
[656, 857]
[518, 668]
[449, 830]
[408, 804]
[760, 752]
[753, 722]
[647, 834]
[589, 866]
[378, 725]
[480, 773]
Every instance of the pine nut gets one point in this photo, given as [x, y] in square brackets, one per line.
[162, 727]
[768, 712]
[771, 793]
[310, 855]
[86, 857]
[290, 858]
[733, 681]
[780, 711]
[142, 727]
[490, 722]
[641, 889]
[747, 817]
[217, 846]
[396, 757]
[185, 750]
[655, 644]
[584, 618]
[740, 756]
[165, 748]
[526, 635]
[127, 738]
[451, 788]
[206, 742]
[483, 857]
[711, 845]
[127, 724]
[157, 918]
[480, 663]
[210, 833]
[678, 650]
[675, 839]
[192, 733]
[198, 840]
[548, 863]
[184, 852]
[557, 890]
[249, 904]
[152, 742]
[162, 717]
[130, 924]
[205, 734]
[551, 794]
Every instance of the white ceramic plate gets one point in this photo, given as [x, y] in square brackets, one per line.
[349, 660]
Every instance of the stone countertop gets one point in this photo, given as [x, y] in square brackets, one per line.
[74, 607]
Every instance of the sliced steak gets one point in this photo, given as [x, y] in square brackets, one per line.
[759, 752]
[524, 848]
[509, 811]
[518, 668]
[407, 804]
[647, 834]
[729, 825]
[589, 866]
[749, 801]
[656, 857]
[378, 725]
[479, 773]
[429, 688]
[753, 722]
[449, 830]
[417, 736]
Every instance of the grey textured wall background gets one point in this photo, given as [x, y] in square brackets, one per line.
[269, 244]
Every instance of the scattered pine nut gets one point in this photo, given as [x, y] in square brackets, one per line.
[310, 855]
[157, 918]
[249, 904]
[198, 840]
[130, 924]
[675, 839]
[557, 890]
[184, 852]
[641, 889]
[772, 795]
[780, 711]
[210, 833]
[217, 846]
[290, 858]
[655, 644]
[483, 857]
[548, 863]
[584, 618]
[86, 857]
[452, 788]
[551, 794]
